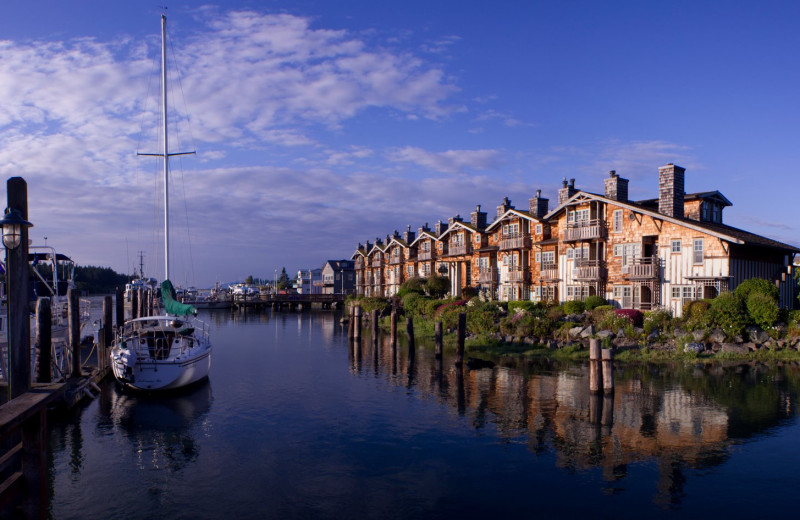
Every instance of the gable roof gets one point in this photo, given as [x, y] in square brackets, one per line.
[468, 227]
[514, 212]
[721, 231]
[426, 234]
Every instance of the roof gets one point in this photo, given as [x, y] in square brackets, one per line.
[468, 227]
[721, 231]
[426, 234]
[517, 212]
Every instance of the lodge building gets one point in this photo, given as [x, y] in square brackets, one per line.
[647, 254]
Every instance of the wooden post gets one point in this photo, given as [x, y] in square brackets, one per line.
[410, 332]
[34, 467]
[595, 370]
[357, 326]
[351, 311]
[607, 418]
[608, 371]
[108, 335]
[44, 333]
[374, 325]
[120, 306]
[134, 304]
[595, 408]
[461, 331]
[74, 328]
[437, 335]
[17, 290]
[394, 328]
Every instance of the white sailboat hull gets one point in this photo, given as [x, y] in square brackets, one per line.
[162, 375]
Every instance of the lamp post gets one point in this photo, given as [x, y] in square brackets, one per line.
[15, 240]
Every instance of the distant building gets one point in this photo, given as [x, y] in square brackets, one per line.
[308, 281]
[338, 277]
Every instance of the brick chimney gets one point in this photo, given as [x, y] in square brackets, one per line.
[408, 235]
[478, 218]
[504, 206]
[440, 228]
[616, 187]
[422, 229]
[670, 190]
[567, 191]
[453, 220]
[539, 205]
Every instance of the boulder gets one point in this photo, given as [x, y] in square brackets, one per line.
[588, 331]
[605, 334]
[757, 335]
[509, 339]
[733, 348]
[552, 344]
[653, 336]
[694, 347]
[717, 336]
[750, 346]
[738, 339]
[574, 332]
[697, 335]
[530, 340]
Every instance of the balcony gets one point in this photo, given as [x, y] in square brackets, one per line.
[487, 275]
[646, 268]
[590, 270]
[515, 241]
[377, 261]
[518, 273]
[549, 272]
[425, 255]
[396, 259]
[459, 249]
[586, 230]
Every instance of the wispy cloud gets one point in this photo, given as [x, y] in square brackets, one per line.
[450, 161]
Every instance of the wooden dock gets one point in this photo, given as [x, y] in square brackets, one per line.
[290, 301]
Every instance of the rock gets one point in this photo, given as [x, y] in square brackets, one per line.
[771, 344]
[694, 347]
[551, 344]
[605, 334]
[621, 333]
[574, 332]
[750, 346]
[509, 339]
[717, 336]
[479, 364]
[638, 331]
[653, 336]
[678, 332]
[588, 331]
[781, 343]
[757, 335]
[697, 335]
[738, 339]
[733, 348]
[530, 341]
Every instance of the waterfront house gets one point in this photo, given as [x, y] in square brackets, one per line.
[456, 247]
[338, 277]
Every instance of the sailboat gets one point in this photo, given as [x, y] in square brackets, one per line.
[172, 350]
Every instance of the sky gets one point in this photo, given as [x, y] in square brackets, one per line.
[322, 124]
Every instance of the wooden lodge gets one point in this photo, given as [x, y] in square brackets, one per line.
[647, 254]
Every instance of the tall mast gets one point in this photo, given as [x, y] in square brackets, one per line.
[166, 142]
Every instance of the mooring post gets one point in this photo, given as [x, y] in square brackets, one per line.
[134, 304]
[120, 306]
[410, 332]
[461, 334]
[437, 337]
[17, 290]
[74, 328]
[351, 313]
[375, 325]
[394, 328]
[105, 344]
[44, 334]
[595, 370]
[608, 371]
[357, 326]
[607, 418]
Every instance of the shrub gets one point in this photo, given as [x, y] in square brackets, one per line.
[524, 305]
[635, 317]
[555, 313]
[469, 292]
[370, 304]
[428, 307]
[756, 285]
[412, 285]
[763, 310]
[413, 303]
[657, 320]
[594, 301]
[574, 307]
[696, 314]
[437, 286]
[728, 313]
[482, 317]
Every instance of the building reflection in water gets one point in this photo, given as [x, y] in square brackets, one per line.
[681, 417]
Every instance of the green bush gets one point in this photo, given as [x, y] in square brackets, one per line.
[574, 307]
[428, 307]
[524, 305]
[369, 304]
[555, 313]
[469, 292]
[697, 314]
[410, 286]
[482, 318]
[437, 286]
[728, 313]
[756, 285]
[413, 303]
[657, 320]
[763, 310]
[594, 301]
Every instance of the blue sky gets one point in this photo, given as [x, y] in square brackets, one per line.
[322, 124]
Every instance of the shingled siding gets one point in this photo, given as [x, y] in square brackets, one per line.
[763, 263]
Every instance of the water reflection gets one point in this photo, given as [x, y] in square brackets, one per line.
[680, 416]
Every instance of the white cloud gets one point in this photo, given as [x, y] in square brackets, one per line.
[450, 161]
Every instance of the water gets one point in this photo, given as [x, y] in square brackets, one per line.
[295, 424]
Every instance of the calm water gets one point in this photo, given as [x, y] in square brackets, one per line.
[295, 424]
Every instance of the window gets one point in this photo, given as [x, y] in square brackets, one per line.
[617, 221]
[570, 254]
[538, 258]
[716, 213]
[548, 257]
[676, 246]
[623, 296]
[684, 293]
[706, 211]
[538, 229]
[697, 249]
[410, 270]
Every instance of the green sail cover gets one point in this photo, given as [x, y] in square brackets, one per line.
[171, 305]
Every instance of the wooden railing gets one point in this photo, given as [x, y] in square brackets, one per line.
[586, 230]
[377, 261]
[395, 259]
[487, 275]
[425, 255]
[518, 274]
[460, 249]
[549, 272]
[590, 270]
[515, 241]
[645, 268]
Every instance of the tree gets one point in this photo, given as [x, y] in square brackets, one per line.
[437, 286]
[283, 280]
[249, 280]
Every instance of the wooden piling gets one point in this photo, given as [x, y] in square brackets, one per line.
[595, 367]
[410, 332]
[461, 335]
[351, 311]
[108, 335]
[608, 371]
[119, 301]
[607, 418]
[17, 291]
[74, 328]
[374, 325]
[44, 335]
[393, 338]
[134, 304]
[357, 325]
[437, 334]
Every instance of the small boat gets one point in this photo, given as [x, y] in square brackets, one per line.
[172, 350]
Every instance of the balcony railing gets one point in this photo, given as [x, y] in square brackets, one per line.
[549, 272]
[487, 275]
[646, 268]
[460, 249]
[590, 270]
[377, 261]
[425, 255]
[515, 241]
[394, 260]
[518, 273]
[585, 230]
